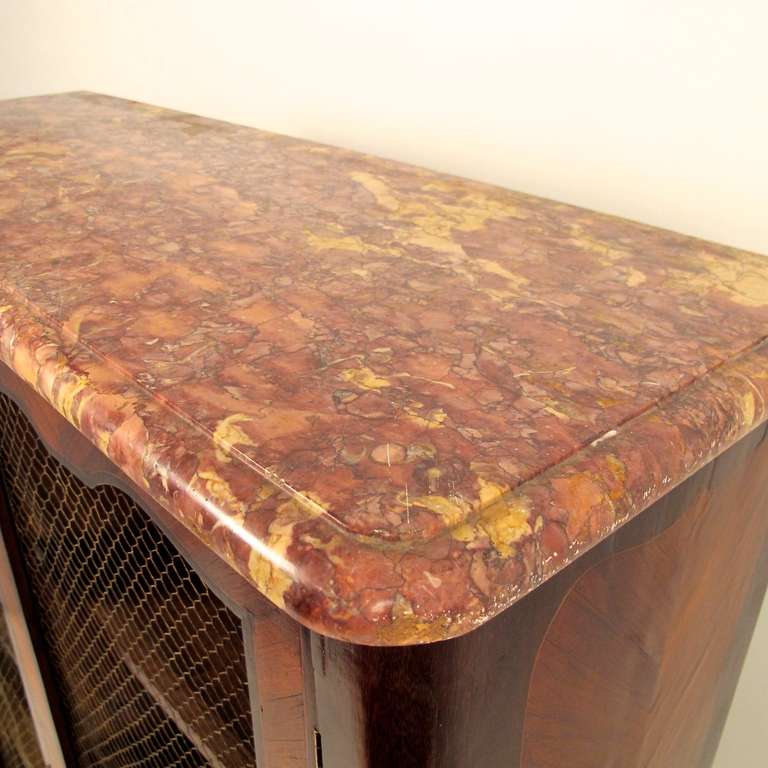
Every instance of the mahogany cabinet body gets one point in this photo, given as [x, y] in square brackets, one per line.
[627, 657]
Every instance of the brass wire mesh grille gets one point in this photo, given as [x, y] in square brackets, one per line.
[18, 742]
[149, 662]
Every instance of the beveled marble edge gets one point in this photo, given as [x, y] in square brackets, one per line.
[594, 492]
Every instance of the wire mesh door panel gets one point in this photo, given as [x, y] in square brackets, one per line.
[149, 662]
[18, 741]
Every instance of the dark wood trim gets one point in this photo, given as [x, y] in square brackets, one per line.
[277, 675]
[312, 733]
[254, 691]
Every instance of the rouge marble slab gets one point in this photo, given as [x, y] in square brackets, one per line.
[395, 400]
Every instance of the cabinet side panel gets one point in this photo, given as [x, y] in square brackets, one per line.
[641, 661]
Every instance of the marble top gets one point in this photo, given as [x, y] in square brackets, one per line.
[395, 400]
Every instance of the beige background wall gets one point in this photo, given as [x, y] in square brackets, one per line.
[656, 110]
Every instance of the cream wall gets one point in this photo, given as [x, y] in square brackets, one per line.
[656, 110]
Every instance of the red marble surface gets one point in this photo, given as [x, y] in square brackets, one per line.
[395, 400]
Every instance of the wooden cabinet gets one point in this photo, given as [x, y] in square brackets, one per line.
[314, 459]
